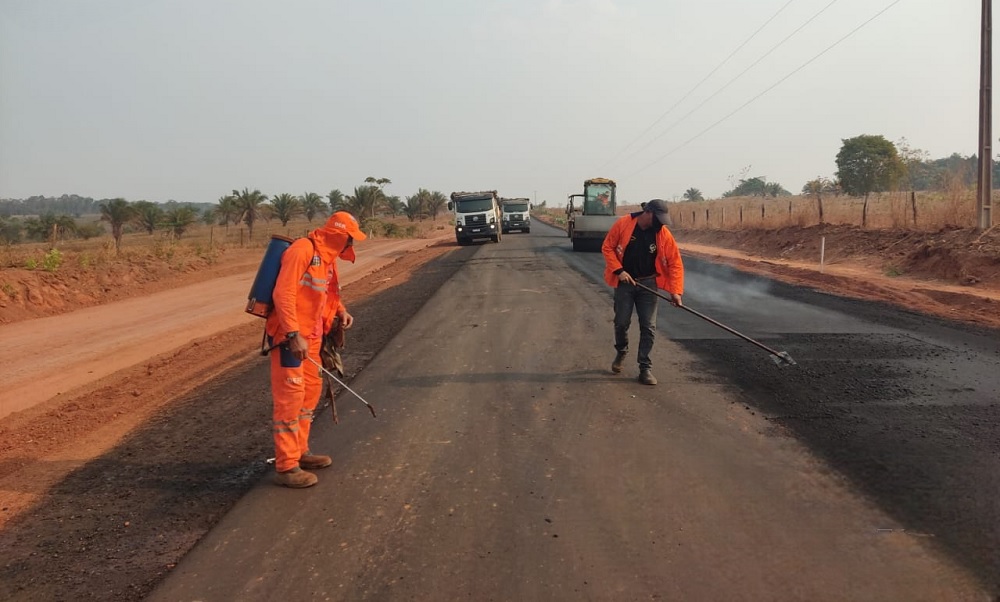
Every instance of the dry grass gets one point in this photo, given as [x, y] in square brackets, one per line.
[953, 207]
[201, 243]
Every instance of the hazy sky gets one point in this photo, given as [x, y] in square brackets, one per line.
[188, 99]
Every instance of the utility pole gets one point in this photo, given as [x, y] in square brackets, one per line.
[984, 182]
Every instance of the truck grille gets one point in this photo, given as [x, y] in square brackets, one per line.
[473, 220]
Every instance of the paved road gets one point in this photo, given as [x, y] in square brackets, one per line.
[507, 463]
[86, 345]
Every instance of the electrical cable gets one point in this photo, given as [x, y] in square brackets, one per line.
[773, 86]
[732, 81]
[696, 86]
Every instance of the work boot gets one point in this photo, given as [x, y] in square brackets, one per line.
[646, 377]
[616, 366]
[296, 478]
[313, 462]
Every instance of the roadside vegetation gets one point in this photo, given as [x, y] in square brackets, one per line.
[46, 233]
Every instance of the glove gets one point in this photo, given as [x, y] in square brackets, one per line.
[333, 343]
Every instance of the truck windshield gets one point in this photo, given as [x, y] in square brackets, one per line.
[473, 205]
[599, 200]
[515, 207]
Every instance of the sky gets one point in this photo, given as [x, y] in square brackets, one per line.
[189, 99]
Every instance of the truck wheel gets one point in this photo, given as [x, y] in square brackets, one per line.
[527, 230]
[578, 244]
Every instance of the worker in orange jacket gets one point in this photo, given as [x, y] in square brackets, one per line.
[640, 248]
[306, 302]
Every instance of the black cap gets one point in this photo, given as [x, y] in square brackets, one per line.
[658, 207]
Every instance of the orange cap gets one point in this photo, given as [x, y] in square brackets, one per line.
[343, 221]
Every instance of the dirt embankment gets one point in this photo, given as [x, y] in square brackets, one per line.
[953, 273]
[950, 256]
[27, 294]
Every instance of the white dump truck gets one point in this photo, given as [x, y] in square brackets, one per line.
[477, 215]
[516, 215]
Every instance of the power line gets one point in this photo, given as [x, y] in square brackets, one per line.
[698, 85]
[773, 86]
[732, 81]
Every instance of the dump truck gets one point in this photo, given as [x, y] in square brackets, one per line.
[477, 215]
[516, 215]
[589, 221]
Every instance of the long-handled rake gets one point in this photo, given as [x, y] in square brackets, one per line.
[780, 357]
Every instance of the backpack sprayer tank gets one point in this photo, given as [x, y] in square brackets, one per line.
[259, 300]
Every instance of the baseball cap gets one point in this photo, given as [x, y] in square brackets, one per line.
[658, 207]
[343, 221]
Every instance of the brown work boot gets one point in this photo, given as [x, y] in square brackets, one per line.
[646, 377]
[616, 365]
[312, 462]
[296, 478]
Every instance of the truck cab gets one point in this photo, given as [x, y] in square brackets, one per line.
[477, 216]
[516, 215]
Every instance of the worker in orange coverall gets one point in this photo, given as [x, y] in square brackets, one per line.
[306, 302]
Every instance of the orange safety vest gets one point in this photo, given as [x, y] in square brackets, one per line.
[307, 293]
[669, 268]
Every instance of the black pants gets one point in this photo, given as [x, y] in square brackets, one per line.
[628, 296]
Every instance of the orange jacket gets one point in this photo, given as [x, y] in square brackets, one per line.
[307, 294]
[669, 268]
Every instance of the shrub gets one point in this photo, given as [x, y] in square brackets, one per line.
[52, 260]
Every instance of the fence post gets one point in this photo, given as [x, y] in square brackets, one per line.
[913, 205]
[723, 224]
[822, 253]
[741, 216]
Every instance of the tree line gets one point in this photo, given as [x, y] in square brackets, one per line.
[866, 164]
[246, 206]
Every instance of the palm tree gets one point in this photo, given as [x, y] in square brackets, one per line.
[248, 203]
[435, 203]
[117, 212]
[178, 219]
[285, 207]
[416, 205]
[693, 194]
[312, 205]
[147, 215]
[377, 183]
[336, 198]
[363, 201]
[395, 205]
[227, 211]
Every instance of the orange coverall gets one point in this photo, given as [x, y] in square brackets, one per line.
[306, 300]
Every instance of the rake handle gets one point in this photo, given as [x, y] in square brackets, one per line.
[707, 319]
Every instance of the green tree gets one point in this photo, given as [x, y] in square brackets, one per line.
[436, 202]
[248, 203]
[395, 205]
[363, 201]
[867, 164]
[10, 230]
[336, 198]
[378, 183]
[417, 204]
[818, 187]
[147, 215]
[693, 194]
[756, 186]
[179, 219]
[117, 212]
[312, 205]
[227, 211]
[285, 207]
